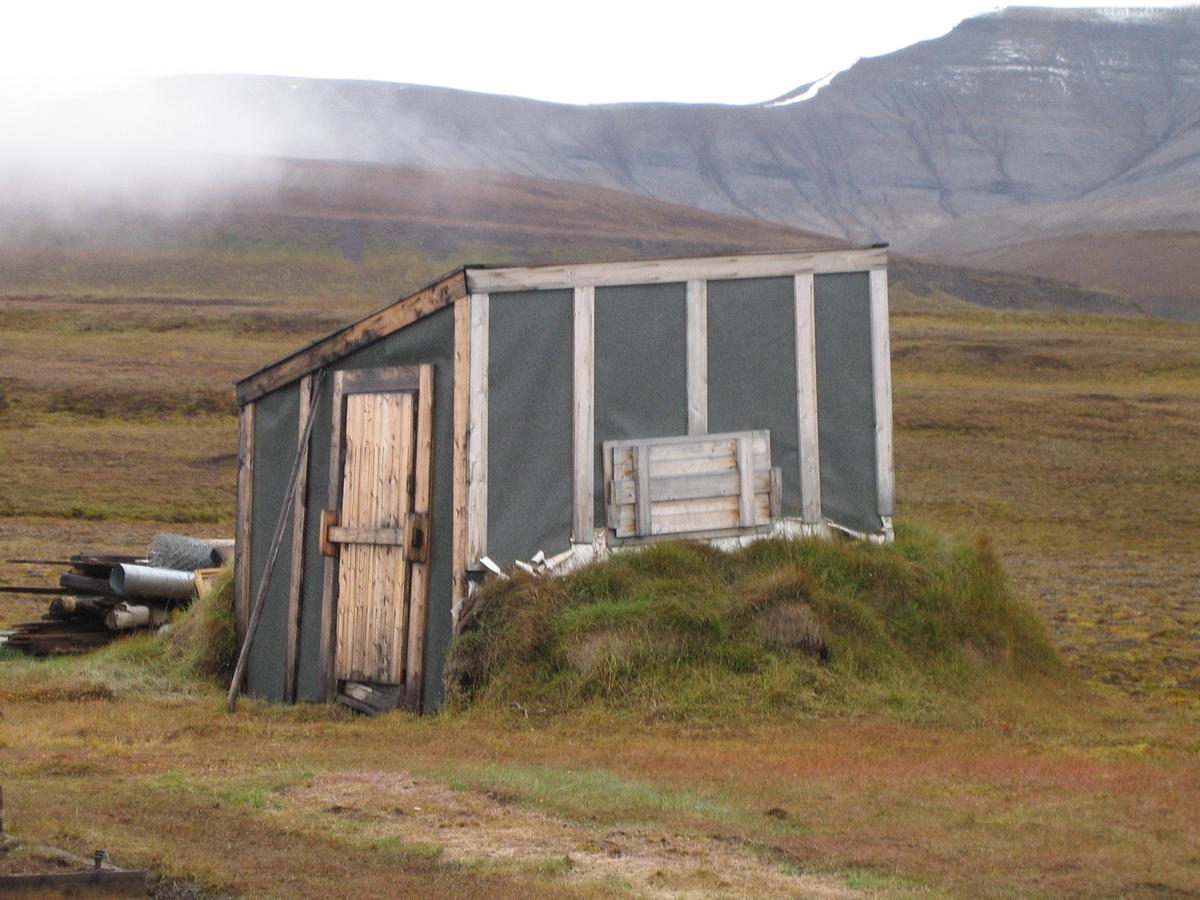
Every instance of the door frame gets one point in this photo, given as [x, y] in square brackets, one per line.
[398, 379]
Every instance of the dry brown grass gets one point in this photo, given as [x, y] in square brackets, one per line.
[1072, 441]
[235, 801]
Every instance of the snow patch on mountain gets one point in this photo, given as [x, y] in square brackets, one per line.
[801, 93]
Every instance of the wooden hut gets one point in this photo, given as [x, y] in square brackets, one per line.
[507, 415]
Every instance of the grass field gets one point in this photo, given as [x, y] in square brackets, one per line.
[1072, 442]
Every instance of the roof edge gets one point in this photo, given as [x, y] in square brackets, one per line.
[740, 265]
[367, 330]
[464, 281]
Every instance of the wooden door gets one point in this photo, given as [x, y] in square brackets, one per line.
[378, 532]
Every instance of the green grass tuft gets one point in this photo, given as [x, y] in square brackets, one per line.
[202, 643]
[685, 631]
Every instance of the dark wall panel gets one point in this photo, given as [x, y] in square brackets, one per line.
[641, 367]
[845, 401]
[530, 392]
[308, 678]
[276, 423]
[752, 368]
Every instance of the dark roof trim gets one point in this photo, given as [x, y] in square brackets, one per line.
[365, 331]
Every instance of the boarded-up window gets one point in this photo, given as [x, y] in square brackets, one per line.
[691, 485]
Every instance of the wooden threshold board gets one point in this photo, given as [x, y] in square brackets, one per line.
[95, 884]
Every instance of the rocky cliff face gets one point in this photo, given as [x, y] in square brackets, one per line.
[1009, 109]
[1018, 126]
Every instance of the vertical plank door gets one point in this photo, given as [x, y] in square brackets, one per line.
[377, 531]
[374, 580]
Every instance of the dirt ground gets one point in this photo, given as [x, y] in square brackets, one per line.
[483, 830]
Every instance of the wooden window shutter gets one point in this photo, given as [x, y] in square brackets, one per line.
[694, 485]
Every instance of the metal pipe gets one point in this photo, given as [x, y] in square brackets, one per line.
[131, 615]
[147, 581]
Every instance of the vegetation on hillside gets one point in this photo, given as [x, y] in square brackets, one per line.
[685, 630]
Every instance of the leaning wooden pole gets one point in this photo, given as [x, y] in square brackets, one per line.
[260, 598]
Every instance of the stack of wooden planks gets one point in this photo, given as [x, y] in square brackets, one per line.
[88, 609]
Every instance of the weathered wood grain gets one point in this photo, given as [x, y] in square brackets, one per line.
[745, 459]
[422, 505]
[387, 537]
[881, 370]
[641, 478]
[686, 485]
[296, 574]
[462, 424]
[373, 583]
[378, 324]
[477, 436]
[690, 487]
[584, 424]
[697, 356]
[245, 519]
[747, 265]
[97, 884]
[806, 399]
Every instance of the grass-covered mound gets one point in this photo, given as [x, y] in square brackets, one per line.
[686, 630]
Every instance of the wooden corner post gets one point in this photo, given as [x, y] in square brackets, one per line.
[881, 371]
[806, 399]
[245, 521]
[584, 425]
[462, 428]
[418, 619]
[697, 357]
[477, 433]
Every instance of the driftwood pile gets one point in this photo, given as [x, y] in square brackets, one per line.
[105, 595]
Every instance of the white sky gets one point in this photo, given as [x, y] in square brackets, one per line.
[738, 51]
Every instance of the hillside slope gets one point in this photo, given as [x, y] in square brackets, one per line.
[1032, 141]
[356, 235]
[1012, 108]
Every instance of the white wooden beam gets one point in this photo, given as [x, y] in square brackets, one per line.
[477, 436]
[462, 428]
[697, 356]
[584, 442]
[806, 399]
[749, 265]
[881, 369]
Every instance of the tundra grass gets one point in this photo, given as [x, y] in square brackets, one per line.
[1066, 439]
[1072, 441]
[924, 811]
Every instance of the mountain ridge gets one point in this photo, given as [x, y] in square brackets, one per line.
[1018, 125]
